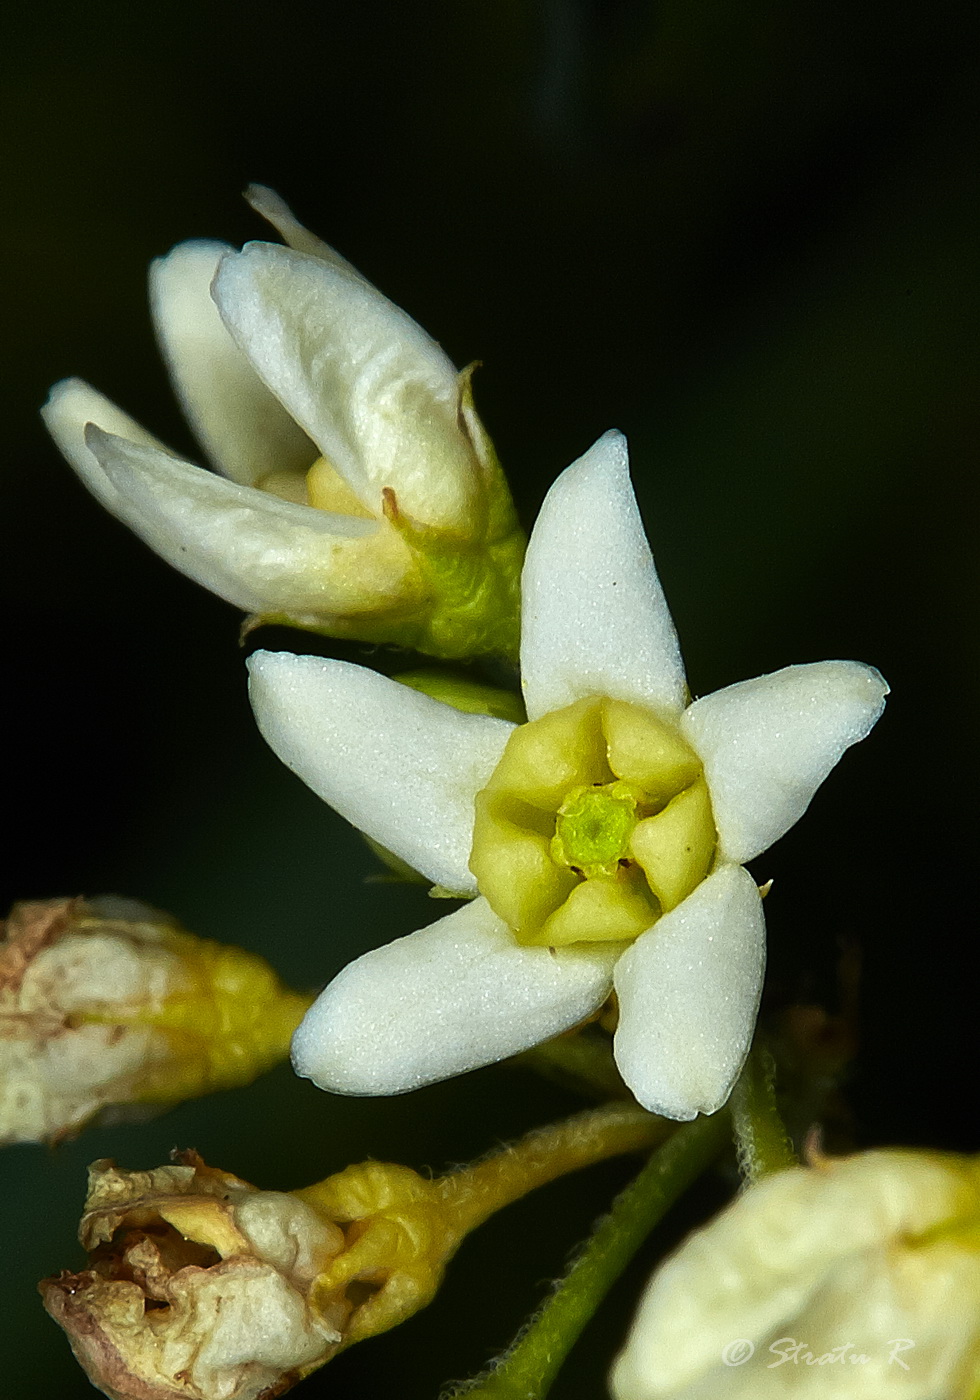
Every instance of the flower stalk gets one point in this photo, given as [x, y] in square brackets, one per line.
[407, 1228]
[761, 1138]
[527, 1371]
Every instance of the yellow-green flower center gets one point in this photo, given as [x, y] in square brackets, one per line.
[596, 821]
[594, 826]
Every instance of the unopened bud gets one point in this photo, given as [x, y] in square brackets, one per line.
[857, 1277]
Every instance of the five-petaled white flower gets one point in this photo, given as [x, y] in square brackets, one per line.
[604, 840]
[356, 491]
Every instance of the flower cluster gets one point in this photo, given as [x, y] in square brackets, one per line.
[594, 826]
[602, 843]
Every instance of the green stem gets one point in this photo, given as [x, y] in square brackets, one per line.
[528, 1370]
[763, 1143]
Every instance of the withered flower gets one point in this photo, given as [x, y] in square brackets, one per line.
[201, 1286]
[106, 1002]
[197, 1286]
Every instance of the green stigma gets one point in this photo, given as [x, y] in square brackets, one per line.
[594, 827]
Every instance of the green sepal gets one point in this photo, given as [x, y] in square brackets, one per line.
[472, 697]
[468, 600]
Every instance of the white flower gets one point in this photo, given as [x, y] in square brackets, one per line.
[604, 839]
[355, 490]
[858, 1278]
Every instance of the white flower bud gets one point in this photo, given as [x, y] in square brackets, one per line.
[856, 1278]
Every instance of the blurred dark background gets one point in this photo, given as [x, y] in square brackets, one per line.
[746, 234]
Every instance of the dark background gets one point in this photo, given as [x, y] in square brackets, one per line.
[746, 234]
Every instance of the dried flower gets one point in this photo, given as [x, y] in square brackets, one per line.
[197, 1285]
[105, 1002]
[201, 1286]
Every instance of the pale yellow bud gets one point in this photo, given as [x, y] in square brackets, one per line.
[855, 1278]
[107, 1003]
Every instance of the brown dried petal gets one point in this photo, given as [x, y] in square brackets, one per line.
[236, 1331]
[197, 1286]
[31, 926]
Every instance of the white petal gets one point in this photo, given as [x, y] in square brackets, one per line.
[458, 994]
[260, 553]
[768, 744]
[374, 392]
[595, 620]
[274, 208]
[689, 993]
[400, 766]
[71, 406]
[242, 427]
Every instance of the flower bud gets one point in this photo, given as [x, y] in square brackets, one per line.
[355, 491]
[106, 1003]
[856, 1277]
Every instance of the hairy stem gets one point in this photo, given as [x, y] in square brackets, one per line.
[479, 1191]
[761, 1138]
[527, 1371]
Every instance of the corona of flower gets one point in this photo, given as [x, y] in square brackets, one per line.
[856, 1278]
[604, 840]
[356, 491]
[106, 1003]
